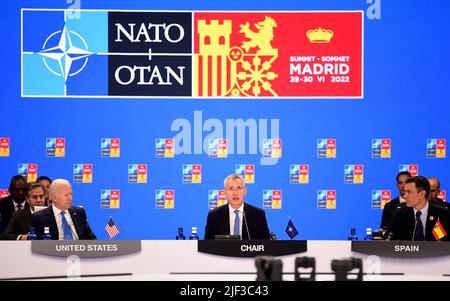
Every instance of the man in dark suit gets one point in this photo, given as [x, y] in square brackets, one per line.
[435, 190]
[398, 202]
[237, 217]
[46, 182]
[19, 224]
[14, 202]
[64, 221]
[420, 219]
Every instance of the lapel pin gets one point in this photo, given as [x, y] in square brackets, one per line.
[431, 218]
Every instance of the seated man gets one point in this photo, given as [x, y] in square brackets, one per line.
[435, 187]
[14, 202]
[65, 222]
[398, 202]
[19, 224]
[46, 182]
[420, 219]
[237, 217]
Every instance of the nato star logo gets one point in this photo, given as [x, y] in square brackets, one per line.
[65, 53]
[132, 169]
[63, 56]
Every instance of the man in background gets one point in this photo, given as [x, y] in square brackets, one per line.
[399, 201]
[45, 181]
[435, 186]
[14, 202]
[19, 224]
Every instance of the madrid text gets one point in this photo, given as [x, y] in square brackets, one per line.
[314, 68]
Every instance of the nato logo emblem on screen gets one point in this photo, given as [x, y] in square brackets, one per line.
[61, 55]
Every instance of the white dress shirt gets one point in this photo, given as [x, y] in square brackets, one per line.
[58, 219]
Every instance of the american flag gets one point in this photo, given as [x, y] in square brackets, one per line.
[111, 228]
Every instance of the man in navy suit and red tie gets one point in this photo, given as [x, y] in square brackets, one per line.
[65, 221]
[14, 202]
[237, 217]
[420, 219]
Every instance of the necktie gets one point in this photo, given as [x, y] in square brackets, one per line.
[66, 228]
[418, 234]
[236, 222]
[19, 207]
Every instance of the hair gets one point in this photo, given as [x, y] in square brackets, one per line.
[55, 184]
[437, 181]
[15, 179]
[233, 177]
[422, 184]
[34, 185]
[406, 173]
[39, 179]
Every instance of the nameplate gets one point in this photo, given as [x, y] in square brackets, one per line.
[402, 248]
[85, 248]
[251, 248]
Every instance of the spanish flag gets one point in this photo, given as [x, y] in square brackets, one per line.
[438, 230]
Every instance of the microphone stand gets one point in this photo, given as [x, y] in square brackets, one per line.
[246, 226]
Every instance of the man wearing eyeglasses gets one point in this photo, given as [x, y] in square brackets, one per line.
[14, 202]
[19, 224]
[237, 217]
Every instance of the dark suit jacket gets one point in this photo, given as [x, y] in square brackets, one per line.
[403, 222]
[388, 211]
[46, 218]
[18, 224]
[218, 223]
[440, 202]
[6, 210]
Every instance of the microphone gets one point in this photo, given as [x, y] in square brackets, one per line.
[73, 234]
[272, 236]
[246, 226]
[414, 231]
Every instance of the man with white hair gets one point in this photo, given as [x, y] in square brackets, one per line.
[237, 217]
[64, 221]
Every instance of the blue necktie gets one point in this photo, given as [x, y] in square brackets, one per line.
[236, 222]
[418, 234]
[66, 228]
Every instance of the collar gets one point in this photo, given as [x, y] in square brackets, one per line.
[231, 209]
[21, 204]
[424, 210]
[58, 211]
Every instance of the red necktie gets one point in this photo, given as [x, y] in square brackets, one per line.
[19, 207]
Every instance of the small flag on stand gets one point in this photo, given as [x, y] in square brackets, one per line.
[111, 228]
[438, 230]
[291, 230]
